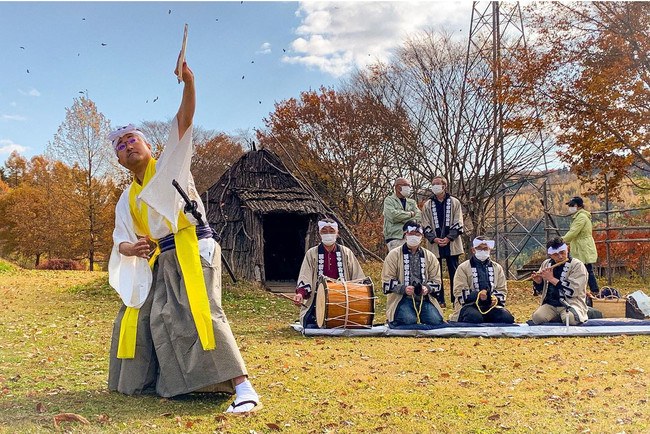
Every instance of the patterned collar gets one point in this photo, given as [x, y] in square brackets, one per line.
[434, 211]
[406, 258]
[321, 260]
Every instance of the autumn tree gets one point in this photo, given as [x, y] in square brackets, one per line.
[452, 127]
[212, 158]
[81, 143]
[590, 62]
[15, 169]
[34, 217]
[336, 142]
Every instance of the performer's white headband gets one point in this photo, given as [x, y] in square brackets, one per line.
[115, 136]
[552, 251]
[414, 228]
[477, 242]
[322, 224]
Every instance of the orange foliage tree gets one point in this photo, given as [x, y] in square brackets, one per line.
[590, 63]
[338, 143]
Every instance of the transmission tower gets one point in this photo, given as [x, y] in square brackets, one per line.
[496, 33]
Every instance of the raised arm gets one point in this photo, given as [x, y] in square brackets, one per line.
[188, 103]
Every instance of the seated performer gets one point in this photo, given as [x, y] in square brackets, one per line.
[171, 335]
[563, 283]
[411, 280]
[326, 259]
[480, 288]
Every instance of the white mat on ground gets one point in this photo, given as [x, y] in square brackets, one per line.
[513, 331]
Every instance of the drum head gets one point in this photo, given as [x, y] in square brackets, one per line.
[321, 303]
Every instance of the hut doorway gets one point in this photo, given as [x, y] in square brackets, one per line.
[284, 248]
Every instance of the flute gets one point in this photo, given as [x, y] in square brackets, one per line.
[535, 273]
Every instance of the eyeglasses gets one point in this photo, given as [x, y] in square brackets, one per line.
[122, 145]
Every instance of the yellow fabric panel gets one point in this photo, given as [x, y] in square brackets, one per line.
[128, 331]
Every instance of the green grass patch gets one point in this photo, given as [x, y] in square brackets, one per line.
[55, 335]
[6, 266]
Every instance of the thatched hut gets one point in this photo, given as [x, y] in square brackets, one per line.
[267, 219]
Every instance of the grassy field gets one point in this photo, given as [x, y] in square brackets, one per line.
[54, 340]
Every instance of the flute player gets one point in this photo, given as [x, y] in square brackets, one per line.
[563, 283]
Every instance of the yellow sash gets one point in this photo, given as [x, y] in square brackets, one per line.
[187, 252]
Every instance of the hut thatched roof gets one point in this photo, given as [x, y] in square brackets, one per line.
[259, 181]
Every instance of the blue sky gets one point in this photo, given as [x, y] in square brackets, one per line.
[279, 48]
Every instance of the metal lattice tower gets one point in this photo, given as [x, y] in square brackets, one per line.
[496, 33]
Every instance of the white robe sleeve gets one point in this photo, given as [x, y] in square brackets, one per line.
[130, 276]
[174, 163]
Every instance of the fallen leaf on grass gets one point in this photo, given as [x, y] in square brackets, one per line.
[444, 375]
[69, 417]
[494, 416]
[273, 427]
[165, 415]
[220, 418]
[40, 407]
[103, 418]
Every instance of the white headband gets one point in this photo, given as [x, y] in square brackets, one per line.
[552, 251]
[414, 228]
[322, 224]
[115, 136]
[477, 242]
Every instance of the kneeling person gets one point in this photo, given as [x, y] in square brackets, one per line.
[480, 288]
[326, 259]
[563, 283]
[411, 280]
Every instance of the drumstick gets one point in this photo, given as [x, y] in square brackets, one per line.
[280, 294]
[535, 273]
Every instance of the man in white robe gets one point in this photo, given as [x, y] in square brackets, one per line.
[562, 280]
[171, 335]
[326, 259]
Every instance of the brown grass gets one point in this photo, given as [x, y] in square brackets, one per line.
[54, 339]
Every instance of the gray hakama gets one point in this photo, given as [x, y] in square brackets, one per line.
[169, 358]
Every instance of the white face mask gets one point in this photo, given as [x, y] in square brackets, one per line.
[573, 209]
[437, 189]
[482, 255]
[328, 239]
[405, 190]
[413, 240]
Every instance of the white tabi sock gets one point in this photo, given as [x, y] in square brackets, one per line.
[245, 392]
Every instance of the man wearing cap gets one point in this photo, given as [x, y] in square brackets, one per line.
[581, 240]
[480, 288]
[410, 279]
[328, 259]
[398, 209]
[171, 335]
[562, 281]
[442, 219]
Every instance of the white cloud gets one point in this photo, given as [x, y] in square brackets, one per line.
[265, 48]
[14, 117]
[335, 37]
[32, 92]
[7, 147]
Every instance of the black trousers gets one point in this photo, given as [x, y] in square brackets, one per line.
[452, 265]
[470, 313]
[591, 279]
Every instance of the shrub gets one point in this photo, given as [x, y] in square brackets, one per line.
[5, 266]
[60, 264]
